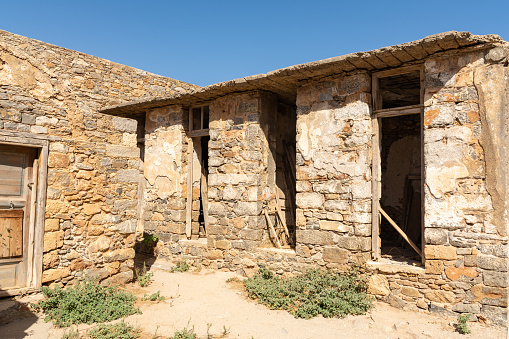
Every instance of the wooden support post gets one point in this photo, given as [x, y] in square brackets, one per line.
[272, 231]
[396, 227]
[280, 215]
[40, 215]
[189, 203]
[204, 198]
[375, 188]
[31, 231]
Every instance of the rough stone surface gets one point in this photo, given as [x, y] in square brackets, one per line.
[440, 296]
[94, 168]
[378, 285]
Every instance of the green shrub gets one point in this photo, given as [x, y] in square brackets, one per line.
[313, 293]
[119, 330]
[88, 302]
[462, 324]
[180, 266]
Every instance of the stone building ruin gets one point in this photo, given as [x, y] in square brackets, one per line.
[314, 165]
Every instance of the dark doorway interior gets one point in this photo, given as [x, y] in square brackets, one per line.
[400, 149]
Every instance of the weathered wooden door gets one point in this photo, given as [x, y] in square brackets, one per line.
[16, 185]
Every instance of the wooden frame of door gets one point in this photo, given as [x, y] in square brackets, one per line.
[38, 205]
[377, 114]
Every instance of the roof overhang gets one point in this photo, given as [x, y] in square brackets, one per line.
[285, 81]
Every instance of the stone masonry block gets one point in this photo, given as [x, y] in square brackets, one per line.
[335, 254]
[56, 273]
[355, 243]
[124, 124]
[243, 208]
[53, 240]
[309, 200]
[378, 285]
[435, 236]
[434, 266]
[315, 237]
[440, 252]
[122, 151]
[490, 262]
[333, 226]
[496, 279]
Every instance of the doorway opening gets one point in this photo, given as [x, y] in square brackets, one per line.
[400, 163]
[397, 206]
[286, 125]
[199, 221]
[197, 173]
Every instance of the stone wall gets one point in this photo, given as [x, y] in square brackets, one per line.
[465, 117]
[466, 237]
[165, 171]
[334, 170]
[93, 167]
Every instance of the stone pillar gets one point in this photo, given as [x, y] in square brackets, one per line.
[165, 173]
[334, 170]
[465, 121]
[237, 172]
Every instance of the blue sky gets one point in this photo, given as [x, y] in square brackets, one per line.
[205, 42]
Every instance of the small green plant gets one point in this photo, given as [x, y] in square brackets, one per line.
[71, 334]
[226, 331]
[185, 333]
[209, 325]
[149, 239]
[87, 302]
[156, 296]
[461, 327]
[313, 293]
[142, 276]
[180, 266]
[119, 330]
[233, 279]
[155, 333]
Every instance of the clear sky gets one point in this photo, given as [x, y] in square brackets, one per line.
[205, 42]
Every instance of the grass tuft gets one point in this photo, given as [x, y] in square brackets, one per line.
[185, 333]
[180, 266]
[462, 327]
[119, 330]
[143, 277]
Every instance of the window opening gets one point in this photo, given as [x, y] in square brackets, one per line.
[400, 90]
[199, 121]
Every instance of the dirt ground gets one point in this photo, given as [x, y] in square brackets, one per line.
[206, 301]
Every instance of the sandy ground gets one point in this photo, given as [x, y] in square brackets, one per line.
[205, 300]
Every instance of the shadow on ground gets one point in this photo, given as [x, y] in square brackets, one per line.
[16, 317]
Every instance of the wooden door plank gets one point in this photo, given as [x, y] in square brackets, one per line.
[11, 231]
[16, 248]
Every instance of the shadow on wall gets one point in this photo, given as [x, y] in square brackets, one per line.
[145, 255]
